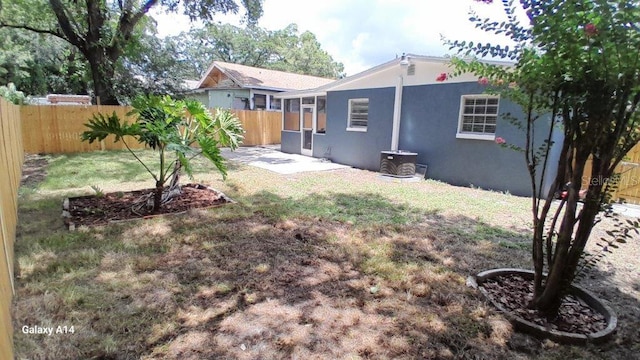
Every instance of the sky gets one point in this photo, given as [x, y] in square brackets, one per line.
[365, 33]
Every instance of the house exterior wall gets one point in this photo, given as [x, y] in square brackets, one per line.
[429, 123]
[359, 149]
[202, 97]
[291, 142]
[224, 98]
[322, 146]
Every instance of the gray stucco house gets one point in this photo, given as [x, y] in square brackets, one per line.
[399, 105]
[235, 86]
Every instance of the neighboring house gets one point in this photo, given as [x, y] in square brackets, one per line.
[399, 105]
[234, 86]
[190, 84]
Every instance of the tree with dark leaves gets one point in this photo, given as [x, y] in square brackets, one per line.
[101, 29]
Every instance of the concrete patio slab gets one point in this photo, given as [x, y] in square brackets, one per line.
[629, 210]
[272, 159]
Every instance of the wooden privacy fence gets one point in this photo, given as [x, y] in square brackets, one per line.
[262, 127]
[629, 184]
[57, 129]
[11, 159]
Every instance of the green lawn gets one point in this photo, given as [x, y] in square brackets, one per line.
[336, 264]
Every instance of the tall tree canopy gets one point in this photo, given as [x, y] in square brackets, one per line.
[284, 50]
[38, 64]
[101, 30]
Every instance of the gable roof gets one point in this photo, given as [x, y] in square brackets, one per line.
[257, 78]
[376, 70]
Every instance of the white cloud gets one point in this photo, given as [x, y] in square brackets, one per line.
[364, 33]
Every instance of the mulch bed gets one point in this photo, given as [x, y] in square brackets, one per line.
[514, 292]
[111, 207]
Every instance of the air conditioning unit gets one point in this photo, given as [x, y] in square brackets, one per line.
[398, 163]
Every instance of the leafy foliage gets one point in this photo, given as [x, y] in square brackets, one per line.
[12, 94]
[171, 126]
[149, 65]
[576, 71]
[102, 30]
[284, 50]
[40, 65]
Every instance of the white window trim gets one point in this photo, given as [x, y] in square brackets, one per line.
[356, 128]
[474, 135]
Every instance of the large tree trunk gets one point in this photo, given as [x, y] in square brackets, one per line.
[102, 72]
[575, 230]
[102, 51]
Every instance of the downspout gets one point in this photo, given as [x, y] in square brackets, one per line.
[397, 111]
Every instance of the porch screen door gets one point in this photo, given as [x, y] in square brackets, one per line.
[308, 113]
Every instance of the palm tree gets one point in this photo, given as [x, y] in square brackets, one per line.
[172, 127]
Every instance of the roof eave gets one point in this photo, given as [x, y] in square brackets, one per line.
[299, 93]
[215, 65]
[269, 88]
[374, 70]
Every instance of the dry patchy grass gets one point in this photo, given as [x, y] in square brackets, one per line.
[319, 265]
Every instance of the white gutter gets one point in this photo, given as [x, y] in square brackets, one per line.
[397, 111]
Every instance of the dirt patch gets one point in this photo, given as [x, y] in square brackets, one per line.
[101, 209]
[34, 170]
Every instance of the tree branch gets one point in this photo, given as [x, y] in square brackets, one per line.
[32, 29]
[67, 28]
[126, 24]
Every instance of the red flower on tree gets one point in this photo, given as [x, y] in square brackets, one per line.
[442, 77]
[590, 30]
[483, 81]
[500, 140]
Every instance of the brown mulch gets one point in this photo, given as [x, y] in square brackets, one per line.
[117, 206]
[514, 292]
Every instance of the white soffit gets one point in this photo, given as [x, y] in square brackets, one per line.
[425, 74]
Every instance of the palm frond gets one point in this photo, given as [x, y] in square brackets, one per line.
[101, 126]
[229, 129]
[211, 151]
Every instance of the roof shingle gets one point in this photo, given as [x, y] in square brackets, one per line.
[252, 77]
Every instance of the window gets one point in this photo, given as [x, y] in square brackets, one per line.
[358, 114]
[321, 115]
[259, 102]
[478, 117]
[275, 103]
[292, 115]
